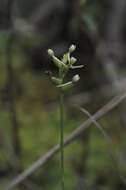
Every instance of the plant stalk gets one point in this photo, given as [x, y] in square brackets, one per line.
[62, 137]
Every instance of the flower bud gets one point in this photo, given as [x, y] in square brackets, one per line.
[76, 78]
[51, 52]
[72, 48]
[73, 60]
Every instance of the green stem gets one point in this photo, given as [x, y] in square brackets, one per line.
[62, 137]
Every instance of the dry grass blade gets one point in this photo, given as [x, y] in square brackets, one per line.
[109, 141]
[92, 118]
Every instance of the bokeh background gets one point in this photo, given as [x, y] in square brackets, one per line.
[29, 113]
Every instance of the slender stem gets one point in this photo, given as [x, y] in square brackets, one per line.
[62, 137]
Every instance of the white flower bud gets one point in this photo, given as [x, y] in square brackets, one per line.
[73, 60]
[76, 78]
[51, 52]
[72, 48]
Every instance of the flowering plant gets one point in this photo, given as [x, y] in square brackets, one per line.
[64, 65]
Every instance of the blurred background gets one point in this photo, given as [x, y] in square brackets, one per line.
[29, 118]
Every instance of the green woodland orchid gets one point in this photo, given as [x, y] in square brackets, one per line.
[64, 65]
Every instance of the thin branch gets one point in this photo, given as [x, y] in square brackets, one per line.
[70, 139]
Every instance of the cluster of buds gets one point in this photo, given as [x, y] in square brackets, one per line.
[64, 65]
